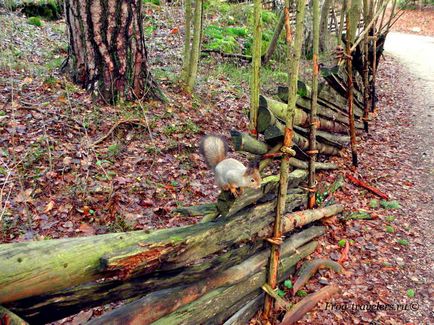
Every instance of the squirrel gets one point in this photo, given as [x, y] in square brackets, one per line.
[230, 174]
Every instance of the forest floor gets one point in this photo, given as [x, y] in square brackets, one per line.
[54, 183]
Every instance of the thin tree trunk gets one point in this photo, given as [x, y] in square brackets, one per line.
[256, 67]
[107, 52]
[313, 118]
[324, 31]
[341, 24]
[187, 43]
[366, 68]
[273, 44]
[195, 48]
[350, 86]
[294, 53]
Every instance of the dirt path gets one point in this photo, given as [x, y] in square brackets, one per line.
[390, 256]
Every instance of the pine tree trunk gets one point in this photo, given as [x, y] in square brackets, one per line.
[107, 52]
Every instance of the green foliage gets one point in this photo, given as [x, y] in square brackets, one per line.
[342, 242]
[411, 293]
[281, 293]
[390, 204]
[403, 242]
[301, 293]
[390, 229]
[288, 284]
[35, 21]
[359, 215]
[114, 150]
[374, 203]
[390, 218]
[154, 2]
[47, 9]
[223, 38]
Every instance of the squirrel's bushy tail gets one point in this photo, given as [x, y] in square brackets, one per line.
[214, 149]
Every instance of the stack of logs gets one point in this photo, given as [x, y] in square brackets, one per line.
[208, 273]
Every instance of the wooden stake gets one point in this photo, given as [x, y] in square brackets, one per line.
[313, 123]
[294, 53]
[350, 88]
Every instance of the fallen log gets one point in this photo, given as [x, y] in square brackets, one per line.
[244, 142]
[207, 209]
[275, 133]
[156, 305]
[301, 118]
[220, 299]
[246, 313]
[9, 318]
[29, 269]
[228, 205]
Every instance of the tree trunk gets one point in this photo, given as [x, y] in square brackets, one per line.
[324, 31]
[107, 52]
[187, 42]
[195, 47]
[273, 44]
[256, 66]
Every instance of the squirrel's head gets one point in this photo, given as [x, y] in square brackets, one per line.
[252, 174]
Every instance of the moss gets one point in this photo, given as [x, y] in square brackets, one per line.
[35, 21]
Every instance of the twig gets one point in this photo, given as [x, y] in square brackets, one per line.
[121, 121]
[229, 55]
[368, 187]
[282, 302]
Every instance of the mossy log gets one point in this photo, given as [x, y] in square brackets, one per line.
[324, 112]
[275, 133]
[9, 318]
[246, 312]
[329, 97]
[159, 304]
[207, 209]
[270, 111]
[228, 205]
[32, 269]
[222, 298]
[244, 142]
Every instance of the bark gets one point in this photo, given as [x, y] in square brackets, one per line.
[195, 47]
[187, 42]
[158, 304]
[313, 108]
[273, 44]
[305, 305]
[275, 134]
[350, 87]
[366, 69]
[256, 66]
[246, 313]
[9, 318]
[324, 31]
[222, 298]
[271, 111]
[107, 52]
[38, 268]
[353, 18]
[198, 210]
[244, 142]
[294, 53]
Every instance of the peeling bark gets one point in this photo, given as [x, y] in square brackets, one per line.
[107, 53]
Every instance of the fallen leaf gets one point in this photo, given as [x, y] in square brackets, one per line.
[49, 206]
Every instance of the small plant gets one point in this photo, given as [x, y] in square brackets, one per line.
[288, 284]
[154, 2]
[301, 293]
[411, 293]
[114, 150]
[281, 293]
[390, 204]
[390, 218]
[403, 242]
[374, 203]
[35, 21]
[390, 229]
[342, 243]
